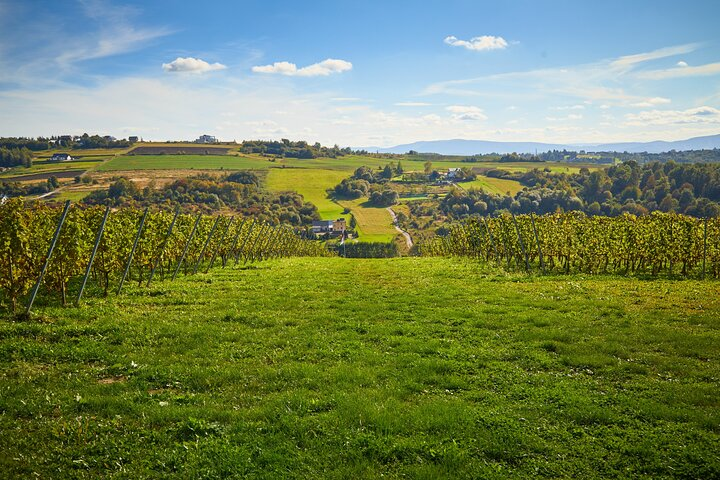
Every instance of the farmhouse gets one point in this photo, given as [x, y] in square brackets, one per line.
[61, 157]
[206, 139]
[453, 173]
[333, 228]
[322, 226]
[339, 225]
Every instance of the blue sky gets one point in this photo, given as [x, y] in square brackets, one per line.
[361, 73]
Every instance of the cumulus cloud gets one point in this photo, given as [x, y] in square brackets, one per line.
[191, 65]
[681, 64]
[651, 102]
[702, 114]
[484, 42]
[465, 112]
[320, 69]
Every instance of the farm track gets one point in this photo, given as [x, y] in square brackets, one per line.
[408, 238]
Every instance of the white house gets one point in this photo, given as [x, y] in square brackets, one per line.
[206, 139]
[453, 173]
[61, 157]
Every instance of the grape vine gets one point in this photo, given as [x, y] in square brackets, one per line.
[660, 243]
[195, 244]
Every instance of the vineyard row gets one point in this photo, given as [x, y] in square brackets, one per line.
[660, 243]
[41, 246]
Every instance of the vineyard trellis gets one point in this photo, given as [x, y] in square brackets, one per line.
[43, 246]
[659, 243]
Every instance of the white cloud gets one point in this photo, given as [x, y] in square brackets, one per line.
[324, 68]
[191, 65]
[570, 117]
[628, 61]
[570, 107]
[465, 112]
[604, 106]
[681, 64]
[651, 102]
[702, 114]
[484, 42]
[681, 71]
[413, 104]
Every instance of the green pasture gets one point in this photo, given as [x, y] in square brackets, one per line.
[374, 224]
[43, 166]
[184, 162]
[312, 184]
[394, 368]
[493, 185]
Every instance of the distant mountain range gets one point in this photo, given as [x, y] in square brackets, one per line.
[475, 147]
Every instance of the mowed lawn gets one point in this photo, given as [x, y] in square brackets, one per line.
[171, 162]
[339, 368]
[374, 224]
[312, 184]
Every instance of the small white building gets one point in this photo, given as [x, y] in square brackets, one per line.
[453, 173]
[61, 157]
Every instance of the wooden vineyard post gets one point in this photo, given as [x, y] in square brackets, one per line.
[490, 236]
[522, 244]
[220, 243]
[47, 258]
[187, 246]
[132, 252]
[537, 241]
[704, 246]
[670, 260]
[92, 255]
[207, 242]
[505, 240]
[234, 243]
[252, 247]
[164, 244]
[265, 243]
[247, 237]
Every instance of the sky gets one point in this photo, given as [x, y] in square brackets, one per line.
[361, 74]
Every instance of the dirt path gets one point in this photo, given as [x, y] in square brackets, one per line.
[408, 239]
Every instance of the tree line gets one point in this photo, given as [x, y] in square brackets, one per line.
[15, 157]
[238, 192]
[691, 189]
[84, 141]
[289, 149]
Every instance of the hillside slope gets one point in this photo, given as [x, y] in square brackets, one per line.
[335, 368]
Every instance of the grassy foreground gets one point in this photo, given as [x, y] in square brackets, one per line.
[334, 368]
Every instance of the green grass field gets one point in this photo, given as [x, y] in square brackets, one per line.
[312, 184]
[401, 368]
[184, 162]
[374, 224]
[43, 166]
[493, 185]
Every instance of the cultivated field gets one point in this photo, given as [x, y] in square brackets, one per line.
[171, 162]
[396, 368]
